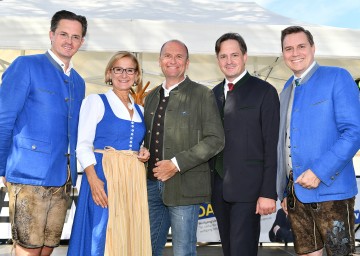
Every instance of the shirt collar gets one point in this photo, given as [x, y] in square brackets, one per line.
[226, 88]
[62, 64]
[306, 71]
[112, 94]
[167, 91]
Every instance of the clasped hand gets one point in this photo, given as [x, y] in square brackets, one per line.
[308, 180]
[143, 154]
[164, 170]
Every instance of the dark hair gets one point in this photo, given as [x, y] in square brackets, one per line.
[231, 36]
[293, 30]
[175, 41]
[66, 15]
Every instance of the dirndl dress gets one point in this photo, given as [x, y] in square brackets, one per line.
[122, 228]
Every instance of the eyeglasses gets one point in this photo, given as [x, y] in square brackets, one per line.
[118, 70]
[66, 36]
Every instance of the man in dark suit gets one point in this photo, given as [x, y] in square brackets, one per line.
[244, 174]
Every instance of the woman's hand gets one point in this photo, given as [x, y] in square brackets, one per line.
[143, 155]
[97, 187]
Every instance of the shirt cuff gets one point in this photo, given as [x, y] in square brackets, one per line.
[86, 160]
[175, 162]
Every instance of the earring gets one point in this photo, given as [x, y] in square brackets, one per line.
[110, 82]
[135, 84]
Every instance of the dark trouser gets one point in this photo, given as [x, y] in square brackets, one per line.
[239, 226]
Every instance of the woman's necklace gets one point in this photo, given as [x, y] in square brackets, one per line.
[129, 106]
[127, 103]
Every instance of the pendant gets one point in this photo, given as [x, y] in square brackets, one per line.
[129, 105]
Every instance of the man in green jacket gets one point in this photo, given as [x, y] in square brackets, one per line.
[184, 132]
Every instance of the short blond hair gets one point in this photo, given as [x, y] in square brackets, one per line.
[119, 55]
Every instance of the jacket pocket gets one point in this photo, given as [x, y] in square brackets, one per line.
[30, 159]
[246, 107]
[34, 145]
[318, 102]
[254, 162]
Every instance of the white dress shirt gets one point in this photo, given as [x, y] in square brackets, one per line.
[91, 112]
[62, 64]
[226, 87]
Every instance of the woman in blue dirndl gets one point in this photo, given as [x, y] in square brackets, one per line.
[112, 215]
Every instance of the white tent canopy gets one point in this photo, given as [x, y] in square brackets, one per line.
[142, 26]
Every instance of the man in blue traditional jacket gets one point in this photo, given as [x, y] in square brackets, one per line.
[40, 99]
[319, 135]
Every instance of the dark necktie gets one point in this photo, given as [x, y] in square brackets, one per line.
[231, 86]
[297, 82]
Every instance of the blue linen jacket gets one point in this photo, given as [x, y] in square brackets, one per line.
[39, 110]
[325, 134]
